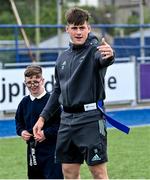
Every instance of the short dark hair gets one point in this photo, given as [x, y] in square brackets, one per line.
[33, 70]
[77, 16]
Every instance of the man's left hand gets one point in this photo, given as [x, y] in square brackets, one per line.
[105, 49]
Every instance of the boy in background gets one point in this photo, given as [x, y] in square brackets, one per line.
[40, 154]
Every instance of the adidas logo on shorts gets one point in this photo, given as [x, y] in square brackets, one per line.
[96, 158]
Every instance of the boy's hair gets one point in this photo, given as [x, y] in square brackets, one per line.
[77, 16]
[33, 70]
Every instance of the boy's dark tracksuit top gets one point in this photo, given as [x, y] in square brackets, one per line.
[79, 74]
[27, 114]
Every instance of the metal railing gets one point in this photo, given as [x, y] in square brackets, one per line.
[16, 51]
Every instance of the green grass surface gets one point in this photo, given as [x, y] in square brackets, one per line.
[129, 156]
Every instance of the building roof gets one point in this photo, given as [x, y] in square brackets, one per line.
[56, 42]
[146, 33]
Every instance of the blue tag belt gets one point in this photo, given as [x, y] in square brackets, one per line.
[113, 122]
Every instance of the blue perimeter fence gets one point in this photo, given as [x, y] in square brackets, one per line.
[124, 46]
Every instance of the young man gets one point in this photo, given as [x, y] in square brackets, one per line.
[40, 154]
[79, 74]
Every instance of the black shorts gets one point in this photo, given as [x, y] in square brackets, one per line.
[80, 142]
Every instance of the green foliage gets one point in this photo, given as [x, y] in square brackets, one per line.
[26, 10]
[134, 19]
[128, 156]
[48, 15]
[146, 15]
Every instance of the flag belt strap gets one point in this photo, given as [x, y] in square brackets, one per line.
[112, 121]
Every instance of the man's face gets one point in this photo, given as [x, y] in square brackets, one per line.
[35, 85]
[78, 34]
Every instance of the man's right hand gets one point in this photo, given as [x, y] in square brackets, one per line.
[37, 128]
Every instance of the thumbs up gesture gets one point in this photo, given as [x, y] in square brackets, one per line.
[105, 49]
